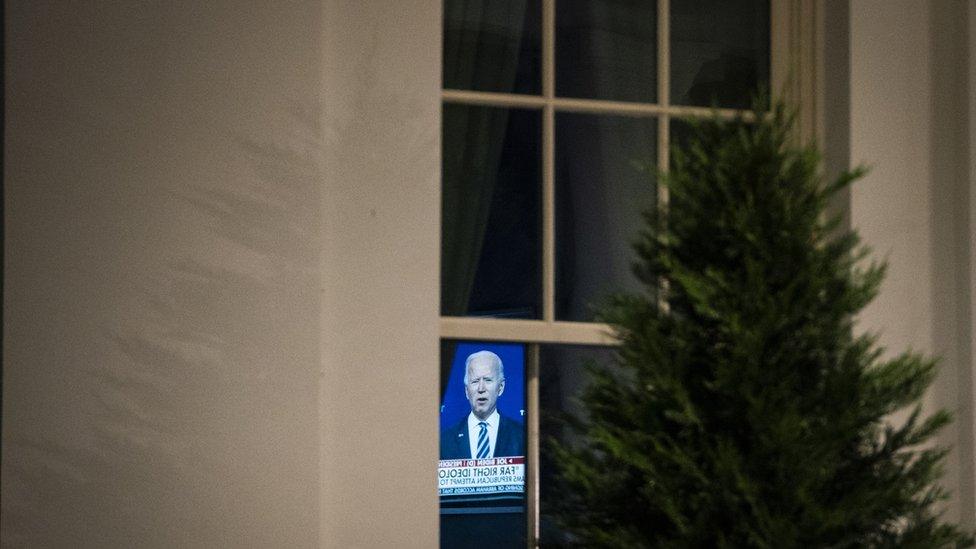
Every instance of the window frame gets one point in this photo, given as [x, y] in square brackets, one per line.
[796, 76]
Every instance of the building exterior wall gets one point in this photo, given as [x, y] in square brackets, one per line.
[221, 261]
[909, 105]
[220, 306]
[379, 392]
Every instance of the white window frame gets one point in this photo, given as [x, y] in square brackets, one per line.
[796, 75]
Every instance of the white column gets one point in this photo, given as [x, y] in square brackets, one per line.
[379, 384]
[909, 103]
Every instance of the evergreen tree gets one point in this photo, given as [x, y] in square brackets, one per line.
[743, 410]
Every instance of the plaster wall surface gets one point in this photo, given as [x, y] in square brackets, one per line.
[221, 246]
[378, 414]
[161, 316]
[909, 106]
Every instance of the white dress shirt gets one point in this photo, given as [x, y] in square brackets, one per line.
[474, 430]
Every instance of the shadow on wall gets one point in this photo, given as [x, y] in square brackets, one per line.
[205, 424]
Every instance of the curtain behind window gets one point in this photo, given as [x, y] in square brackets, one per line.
[479, 54]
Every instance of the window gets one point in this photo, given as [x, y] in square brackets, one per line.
[556, 115]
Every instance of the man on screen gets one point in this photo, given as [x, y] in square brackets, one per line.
[483, 433]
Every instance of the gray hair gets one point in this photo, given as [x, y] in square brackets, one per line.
[488, 355]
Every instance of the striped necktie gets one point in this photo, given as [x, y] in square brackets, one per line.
[483, 440]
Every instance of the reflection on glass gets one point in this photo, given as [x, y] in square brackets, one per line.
[607, 49]
[481, 471]
[604, 181]
[561, 381]
[492, 45]
[719, 52]
[490, 214]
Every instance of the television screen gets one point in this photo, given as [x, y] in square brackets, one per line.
[482, 425]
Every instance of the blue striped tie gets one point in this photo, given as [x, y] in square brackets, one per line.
[483, 440]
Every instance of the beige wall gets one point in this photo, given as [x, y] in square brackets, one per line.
[220, 324]
[379, 393]
[909, 103]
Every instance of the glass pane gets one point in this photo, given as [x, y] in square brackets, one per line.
[604, 181]
[561, 381]
[490, 215]
[481, 471]
[607, 49]
[681, 132]
[719, 52]
[492, 45]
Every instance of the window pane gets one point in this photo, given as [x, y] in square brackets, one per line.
[719, 52]
[481, 471]
[490, 215]
[561, 380]
[681, 132]
[607, 49]
[601, 191]
[492, 45]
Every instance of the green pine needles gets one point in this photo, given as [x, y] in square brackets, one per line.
[743, 410]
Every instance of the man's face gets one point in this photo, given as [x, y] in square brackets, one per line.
[483, 387]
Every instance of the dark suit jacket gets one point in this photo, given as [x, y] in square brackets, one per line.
[511, 439]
